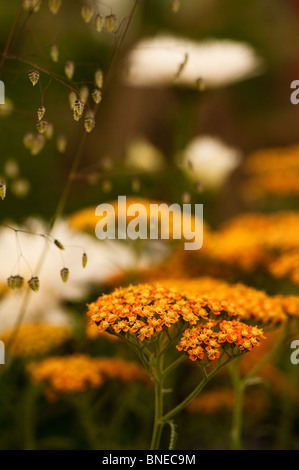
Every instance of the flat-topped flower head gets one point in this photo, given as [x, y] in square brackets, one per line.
[36, 339]
[201, 326]
[80, 372]
[253, 306]
[207, 344]
[147, 309]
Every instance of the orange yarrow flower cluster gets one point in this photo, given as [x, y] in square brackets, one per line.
[79, 372]
[253, 305]
[36, 339]
[146, 310]
[206, 342]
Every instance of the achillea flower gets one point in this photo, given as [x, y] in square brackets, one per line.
[222, 400]
[167, 60]
[254, 240]
[79, 372]
[207, 342]
[36, 339]
[286, 266]
[272, 172]
[253, 305]
[148, 310]
[64, 375]
[289, 304]
[123, 370]
[209, 161]
[213, 401]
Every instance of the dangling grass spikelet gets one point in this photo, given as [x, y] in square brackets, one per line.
[84, 94]
[99, 78]
[64, 274]
[38, 144]
[28, 140]
[87, 13]
[54, 53]
[41, 112]
[84, 260]
[34, 283]
[49, 131]
[15, 282]
[33, 76]
[69, 69]
[59, 244]
[2, 189]
[111, 23]
[54, 6]
[89, 122]
[78, 109]
[42, 126]
[61, 143]
[11, 282]
[175, 6]
[33, 5]
[72, 99]
[99, 23]
[97, 95]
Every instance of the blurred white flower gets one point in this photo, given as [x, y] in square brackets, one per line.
[106, 260]
[210, 161]
[144, 156]
[165, 60]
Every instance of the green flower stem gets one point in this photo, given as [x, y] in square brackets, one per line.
[157, 372]
[239, 386]
[168, 416]
[85, 415]
[11, 35]
[174, 365]
[270, 355]
[28, 417]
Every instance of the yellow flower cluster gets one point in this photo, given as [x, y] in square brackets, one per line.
[146, 310]
[36, 339]
[272, 172]
[79, 372]
[252, 305]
